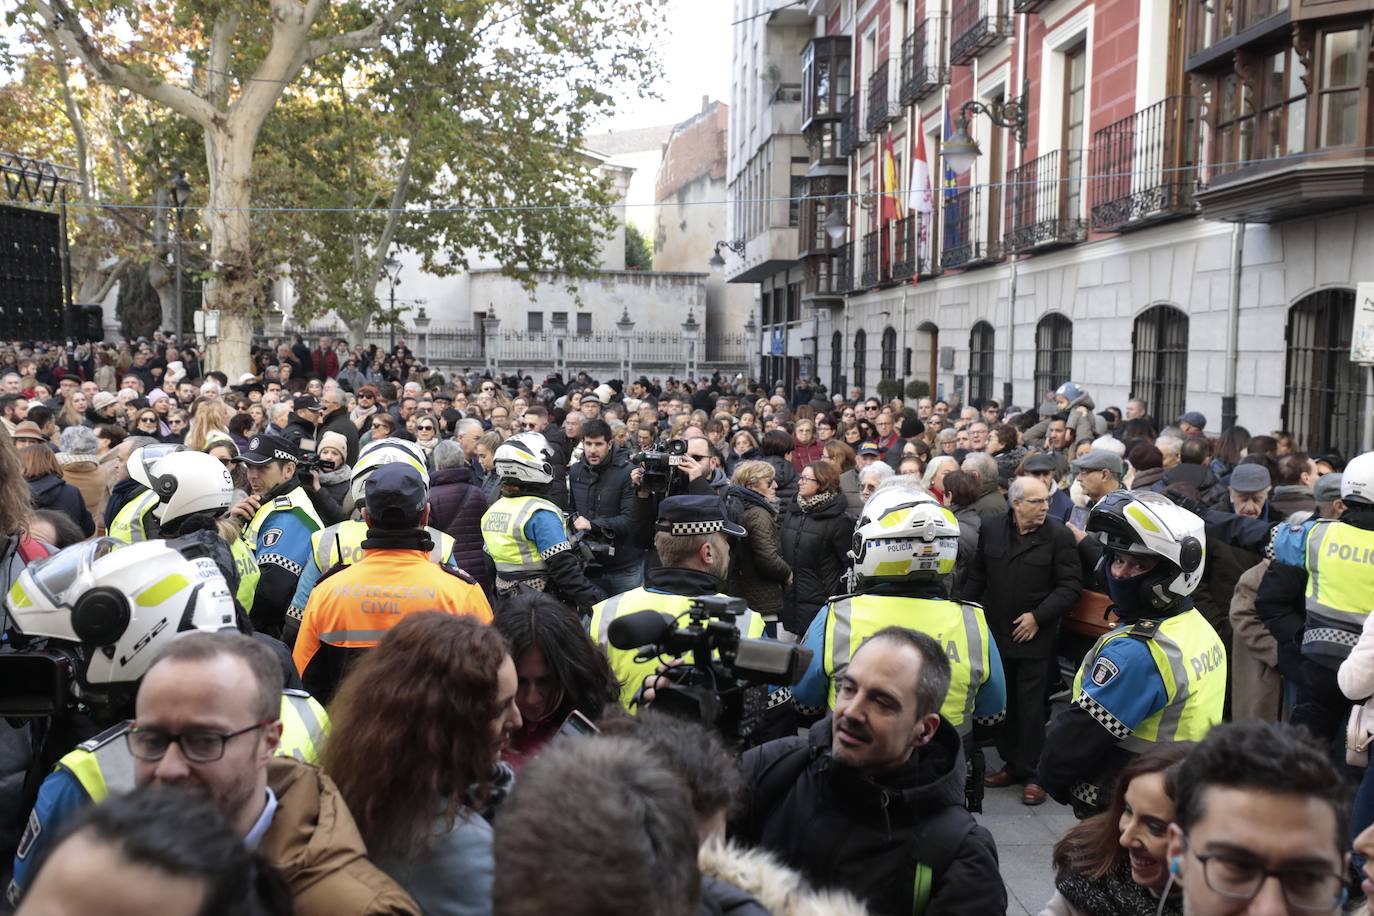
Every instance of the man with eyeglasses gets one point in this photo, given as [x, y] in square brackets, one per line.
[334, 419]
[1261, 822]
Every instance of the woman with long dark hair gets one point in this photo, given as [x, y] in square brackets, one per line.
[816, 534]
[417, 729]
[558, 670]
[1116, 863]
[1230, 449]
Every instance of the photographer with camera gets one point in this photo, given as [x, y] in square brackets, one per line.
[691, 542]
[603, 505]
[524, 533]
[280, 520]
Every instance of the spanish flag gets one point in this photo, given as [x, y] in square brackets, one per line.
[891, 196]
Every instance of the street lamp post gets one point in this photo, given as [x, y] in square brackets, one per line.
[716, 262]
[393, 274]
[960, 151]
[181, 193]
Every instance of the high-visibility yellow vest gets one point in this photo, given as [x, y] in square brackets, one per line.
[296, 500]
[1192, 664]
[629, 672]
[248, 573]
[103, 765]
[343, 543]
[503, 534]
[130, 524]
[1340, 585]
[960, 629]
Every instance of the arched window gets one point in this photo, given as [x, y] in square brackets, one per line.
[1323, 390]
[860, 344]
[1053, 353]
[980, 354]
[1159, 361]
[889, 356]
[837, 363]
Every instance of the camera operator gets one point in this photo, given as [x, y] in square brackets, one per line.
[603, 504]
[691, 542]
[281, 519]
[679, 469]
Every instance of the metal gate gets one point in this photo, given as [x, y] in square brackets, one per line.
[837, 364]
[860, 367]
[980, 356]
[888, 369]
[1159, 363]
[1053, 353]
[1323, 390]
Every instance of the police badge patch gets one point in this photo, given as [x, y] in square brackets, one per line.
[1103, 672]
[31, 834]
[271, 537]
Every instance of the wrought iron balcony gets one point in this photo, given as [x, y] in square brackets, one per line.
[844, 268]
[849, 126]
[975, 26]
[1044, 198]
[1143, 167]
[883, 107]
[912, 252]
[923, 69]
[873, 266]
[965, 242]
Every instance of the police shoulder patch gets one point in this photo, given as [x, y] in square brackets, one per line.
[1104, 671]
[271, 537]
[460, 573]
[31, 833]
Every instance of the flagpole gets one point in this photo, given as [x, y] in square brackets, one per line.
[902, 393]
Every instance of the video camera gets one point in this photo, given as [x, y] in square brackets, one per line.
[311, 461]
[724, 686]
[659, 465]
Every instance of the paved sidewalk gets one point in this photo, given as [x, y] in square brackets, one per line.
[1025, 839]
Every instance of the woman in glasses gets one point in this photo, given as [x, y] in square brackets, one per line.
[382, 426]
[147, 423]
[176, 426]
[427, 435]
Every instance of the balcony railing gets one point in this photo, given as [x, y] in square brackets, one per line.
[849, 126]
[883, 107]
[822, 278]
[923, 69]
[965, 242]
[975, 26]
[912, 251]
[873, 266]
[844, 268]
[1143, 166]
[1044, 198]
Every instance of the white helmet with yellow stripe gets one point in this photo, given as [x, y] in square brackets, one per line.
[380, 452]
[904, 534]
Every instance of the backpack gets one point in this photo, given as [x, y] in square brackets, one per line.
[734, 512]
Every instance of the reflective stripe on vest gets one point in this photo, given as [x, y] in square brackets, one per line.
[960, 629]
[1191, 662]
[1340, 582]
[294, 501]
[343, 543]
[629, 672]
[503, 533]
[129, 524]
[248, 573]
[104, 765]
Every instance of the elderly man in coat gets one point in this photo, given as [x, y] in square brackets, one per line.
[1027, 575]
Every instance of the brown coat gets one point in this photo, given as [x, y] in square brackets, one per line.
[1256, 686]
[316, 846]
[87, 475]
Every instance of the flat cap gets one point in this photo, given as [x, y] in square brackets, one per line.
[1250, 478]
[1099, 460]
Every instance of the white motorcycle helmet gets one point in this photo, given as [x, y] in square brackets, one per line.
[141, 460]
[904, 534]
[187, 482]
[384, 451]
[1357, 480]
[1147, 524]
[524, 457]
[123, 604]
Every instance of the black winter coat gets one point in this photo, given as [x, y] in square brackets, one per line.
[1014, 573]
[338, 422]
[560, 450]
[52, 492]
[816, 546]
[787, 475]
[605, 496]
[757, 569]
[456, 506]
[845, 828]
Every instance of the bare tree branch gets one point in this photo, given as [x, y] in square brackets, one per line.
[59, 17]
[221, 40]
[369, 36]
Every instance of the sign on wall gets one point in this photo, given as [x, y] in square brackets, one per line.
[1362, 334]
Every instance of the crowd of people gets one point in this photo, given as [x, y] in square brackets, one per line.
[350, 634]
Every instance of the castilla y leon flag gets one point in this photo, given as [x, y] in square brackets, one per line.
[920, 199]
[889, 176]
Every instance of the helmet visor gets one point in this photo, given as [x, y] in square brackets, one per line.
[150, 455]
[56, 574]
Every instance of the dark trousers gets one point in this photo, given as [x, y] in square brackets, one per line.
[1321, 708]
[1022, 735]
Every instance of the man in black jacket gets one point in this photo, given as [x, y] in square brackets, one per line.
[872, 800]
[304, 425]
[336, 420]
[603, 505]
[1026, 573]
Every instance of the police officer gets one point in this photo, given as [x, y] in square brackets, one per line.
[122, 599]
[281, 519]
[691, 542]
[1335, 588]
[524, 533]
[136, 520]
[1158, 677]
[342, 544]
[906, 546]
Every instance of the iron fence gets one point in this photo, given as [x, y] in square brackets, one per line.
[965, 242]
[975, 26]
[850, 138]
[844, 269]
[882, 101]
[1144, 166]
[1159, 360]
[1323, 393]
[1053, 352]
[923, 69]
[1043, 198]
